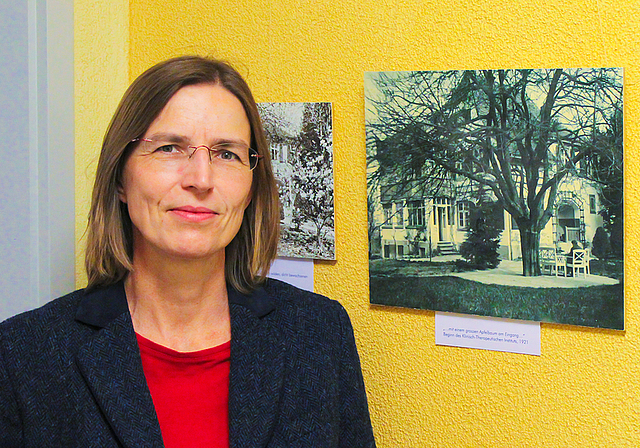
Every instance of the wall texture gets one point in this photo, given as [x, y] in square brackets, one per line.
[101, 57]
[584, 388]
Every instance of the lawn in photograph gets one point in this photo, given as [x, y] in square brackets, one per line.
[497, 193]
[301, 142]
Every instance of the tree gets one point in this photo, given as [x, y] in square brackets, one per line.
[514, 134]
[277, 123]
[313, 177]
[605, 167]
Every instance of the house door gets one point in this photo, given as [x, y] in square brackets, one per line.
[442, 223]
[442, 217]
[568, 224]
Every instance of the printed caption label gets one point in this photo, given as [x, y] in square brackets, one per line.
[488, 333]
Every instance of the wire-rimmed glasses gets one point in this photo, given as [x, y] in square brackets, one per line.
[226, 156]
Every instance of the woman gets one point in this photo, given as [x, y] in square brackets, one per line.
[178, 339]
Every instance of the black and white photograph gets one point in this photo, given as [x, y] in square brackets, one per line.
[300, 136]
[497, 193]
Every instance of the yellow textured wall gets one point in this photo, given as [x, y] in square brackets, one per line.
[101, 71]
[584, 389]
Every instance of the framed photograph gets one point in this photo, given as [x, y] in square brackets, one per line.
[498, 193]
[300, 136]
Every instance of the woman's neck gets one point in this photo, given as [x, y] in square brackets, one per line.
[181, 304]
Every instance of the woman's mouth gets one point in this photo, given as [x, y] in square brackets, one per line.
[193, 214]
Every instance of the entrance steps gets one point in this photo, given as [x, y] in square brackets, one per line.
[446, 248]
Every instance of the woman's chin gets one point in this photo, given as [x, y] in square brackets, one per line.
[196, 254]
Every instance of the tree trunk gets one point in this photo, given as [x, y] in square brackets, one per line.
[530, 244]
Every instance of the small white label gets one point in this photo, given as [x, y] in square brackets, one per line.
[488, 333]
[295, 271]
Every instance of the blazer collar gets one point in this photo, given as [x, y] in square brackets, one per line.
[259, 302]
[99, 307]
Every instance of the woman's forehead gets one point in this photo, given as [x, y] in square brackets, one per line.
[203, 111]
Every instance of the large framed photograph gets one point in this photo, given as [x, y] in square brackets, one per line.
[497, 193]
[300, 136]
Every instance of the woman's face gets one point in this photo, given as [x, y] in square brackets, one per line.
[194, 208]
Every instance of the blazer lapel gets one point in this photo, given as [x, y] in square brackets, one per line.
[257, 370]
[110, 364]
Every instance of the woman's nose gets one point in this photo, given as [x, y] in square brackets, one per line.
[198, 173]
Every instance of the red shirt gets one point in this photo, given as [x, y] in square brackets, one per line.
[190, 392]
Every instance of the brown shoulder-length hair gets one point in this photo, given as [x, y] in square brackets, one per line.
[109, 255]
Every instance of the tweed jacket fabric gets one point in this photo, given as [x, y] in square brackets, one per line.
[71, 375]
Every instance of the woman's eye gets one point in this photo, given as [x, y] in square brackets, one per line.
[227, 155]
[167, 149]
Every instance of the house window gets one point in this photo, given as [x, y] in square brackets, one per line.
[279, 152]
[416, 213]
[388, 214]
[399, 215]
[592, 204]
[463, 215]
[514, 223]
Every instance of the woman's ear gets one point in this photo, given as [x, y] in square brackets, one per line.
[248, 200]
[121, 195]
[251, 193]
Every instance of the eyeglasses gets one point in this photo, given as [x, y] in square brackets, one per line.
[230, 156]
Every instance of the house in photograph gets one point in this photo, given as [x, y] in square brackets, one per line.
[417, 225]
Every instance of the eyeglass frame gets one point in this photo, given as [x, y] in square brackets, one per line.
[253, 154]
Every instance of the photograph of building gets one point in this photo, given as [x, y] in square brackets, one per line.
[505, 178]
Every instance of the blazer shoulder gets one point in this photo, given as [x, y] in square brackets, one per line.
[56, 314]
[289, 296]
[299, 309]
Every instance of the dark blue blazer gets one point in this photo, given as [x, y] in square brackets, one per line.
[71, 375]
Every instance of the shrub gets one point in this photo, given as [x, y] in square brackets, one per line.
[601, 246]
[480, 249]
